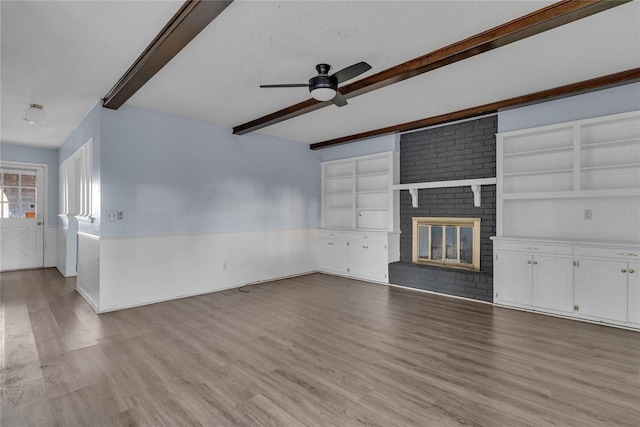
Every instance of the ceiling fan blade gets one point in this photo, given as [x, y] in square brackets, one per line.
[288, 85]
[339, 100]
[351, 72]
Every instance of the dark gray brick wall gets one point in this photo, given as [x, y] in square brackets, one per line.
[460, 151]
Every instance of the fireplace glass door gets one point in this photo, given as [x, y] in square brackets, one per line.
[450, 242]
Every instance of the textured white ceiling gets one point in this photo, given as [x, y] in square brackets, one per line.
[66, 55]
[602, 44]
[82, 48]
[216, 77]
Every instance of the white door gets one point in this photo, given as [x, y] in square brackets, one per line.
[21, 217]
[602, 289]
[634, 292]
[513, 279]
[332, 255]
[553, 283]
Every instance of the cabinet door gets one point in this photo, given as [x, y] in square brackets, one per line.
[368, 260]
[332, 255]
[553, 283]
[513, 279]
[634, 292]
[601, 289]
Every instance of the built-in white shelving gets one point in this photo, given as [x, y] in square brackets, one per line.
[568, 234]
[360, 213]
[357, 193]
[585, 161]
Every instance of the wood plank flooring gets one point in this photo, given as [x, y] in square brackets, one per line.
[315, 350]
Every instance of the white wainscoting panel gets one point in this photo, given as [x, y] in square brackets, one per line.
[88, 282]
[144, 270]
[61, 255]
[51, 246]
[68, 247]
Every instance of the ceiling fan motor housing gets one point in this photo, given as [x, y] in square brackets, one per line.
[321, 81]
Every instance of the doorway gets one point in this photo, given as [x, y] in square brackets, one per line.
[22, 215]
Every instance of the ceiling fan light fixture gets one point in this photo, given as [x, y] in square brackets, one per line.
[323, 93]
[35, 115]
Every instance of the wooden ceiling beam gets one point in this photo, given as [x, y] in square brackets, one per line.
[192, 17]
[553, 16]
[591, 85]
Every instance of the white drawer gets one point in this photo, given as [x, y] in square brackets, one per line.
[534, 248]
[332, 234]
[630, 254]
[370, 237]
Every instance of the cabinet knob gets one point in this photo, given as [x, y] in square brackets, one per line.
[529, 262]
[535, 262]
[631, 270]
[624, 270]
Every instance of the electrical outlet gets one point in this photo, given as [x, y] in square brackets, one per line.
[111, 216]
[114, 215]
[588, 215]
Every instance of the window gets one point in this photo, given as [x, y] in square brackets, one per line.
[18, 193]
[448, 242]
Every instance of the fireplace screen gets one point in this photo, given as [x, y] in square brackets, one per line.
[450, 242]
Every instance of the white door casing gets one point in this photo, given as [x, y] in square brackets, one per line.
[22, 215]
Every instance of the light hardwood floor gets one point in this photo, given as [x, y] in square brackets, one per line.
[315, 350]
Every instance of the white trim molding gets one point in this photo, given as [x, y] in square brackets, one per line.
[475, 185]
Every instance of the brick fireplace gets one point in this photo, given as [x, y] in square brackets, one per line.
[464, 150]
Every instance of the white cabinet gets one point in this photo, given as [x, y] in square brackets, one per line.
[553, 283]
[634, 293]
[357, 193]
[575, 184]
[513, 279]
[363, 255]
[368, 260]
[588, 280]
[332, 255]
[601, 289]
[530, 279]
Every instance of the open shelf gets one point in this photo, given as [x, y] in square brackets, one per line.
[613, 167]
[589, 164]
[551, 171]
[385, 173]
[357, 192]
[373, 192]
[540, 151]
[572, 194]
[616, 142]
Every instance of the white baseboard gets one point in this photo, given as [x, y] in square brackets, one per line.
[63, 272]
[88, 299]
[440, 294]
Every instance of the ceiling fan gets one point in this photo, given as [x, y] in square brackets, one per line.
[324, 87]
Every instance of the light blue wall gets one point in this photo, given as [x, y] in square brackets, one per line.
[171, 175]
[380, 144]
[89, 128]
[599, 103]
[20, 153]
